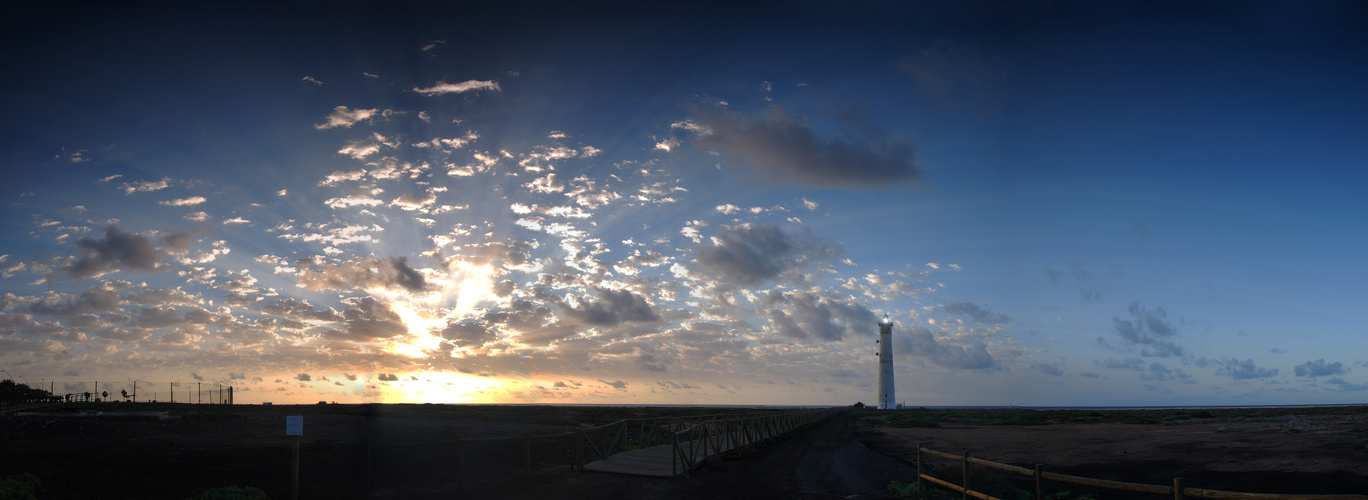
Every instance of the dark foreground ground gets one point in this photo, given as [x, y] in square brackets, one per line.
[408, 452]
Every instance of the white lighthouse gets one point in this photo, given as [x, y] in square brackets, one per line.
[886, 398]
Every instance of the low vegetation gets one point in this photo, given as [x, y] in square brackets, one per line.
[987, 483]
[934, 417]
[232, 493]
[20, 487]
[556, 415]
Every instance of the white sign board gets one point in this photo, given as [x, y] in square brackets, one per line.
[294, 425]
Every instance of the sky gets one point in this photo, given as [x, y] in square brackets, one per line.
[1056, 204]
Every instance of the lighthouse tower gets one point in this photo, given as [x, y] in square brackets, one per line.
[886, 398]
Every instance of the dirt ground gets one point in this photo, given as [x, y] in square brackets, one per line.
[1307, 455]
[849, 456]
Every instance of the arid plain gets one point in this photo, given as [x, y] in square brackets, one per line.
[406, 451]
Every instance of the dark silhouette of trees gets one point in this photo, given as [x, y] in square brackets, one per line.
[14, 393]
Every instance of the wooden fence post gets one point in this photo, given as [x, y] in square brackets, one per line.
[294, 472]
[966, 474]
[574, 452]
[460, 464]
[919, 468]
[1178, 487]
[1040, 492]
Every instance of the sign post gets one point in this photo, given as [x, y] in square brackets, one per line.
[294, 426]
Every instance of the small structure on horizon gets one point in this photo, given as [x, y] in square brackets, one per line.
[886, 398]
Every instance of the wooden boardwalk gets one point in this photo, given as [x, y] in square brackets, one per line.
[687, 445]
[653, 461]
[658, 460]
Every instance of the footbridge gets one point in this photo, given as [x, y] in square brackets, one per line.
[668, 447]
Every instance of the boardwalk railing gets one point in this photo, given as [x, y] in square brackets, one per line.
[674, 446]
[714, 437]
[1179, 490]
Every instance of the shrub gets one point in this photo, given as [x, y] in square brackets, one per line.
[20, 487]
[902, 421]
[232, 493]
[911, 490]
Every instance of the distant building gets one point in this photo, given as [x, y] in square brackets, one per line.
[886, 398]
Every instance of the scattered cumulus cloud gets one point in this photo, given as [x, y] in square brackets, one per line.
[1150, 330]
[115, 251]
[783, 148]
[921, 343]
[1246, 369]
[454, 88]
[345, 117]
[184, 202]
[144, 186]
[978, 313]
[753, 254]
[1319, 368]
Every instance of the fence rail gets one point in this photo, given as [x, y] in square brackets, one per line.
[1179, 490]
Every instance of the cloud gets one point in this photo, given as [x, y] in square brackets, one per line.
[802, 315]
[353, 200]
[1346, 386]
[117, 250]
[1246, 369]
[362, 147]
[921, 343]
[1149, 329]
[467, 333]
[1319, 368]
[315, 81]
[183, 202]
[388, 377]
[364, 273]
[611, 307]
[303, 377]
[785, 148]
[144, 186]
[343, 116]
[620, 385]
[414, 201]
[95, 299]
[754, 254]
[979, 314]
[466, 86]
[1153, 371]
[368, 320]
[1048, 369]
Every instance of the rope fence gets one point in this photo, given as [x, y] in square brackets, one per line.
[1179, 490]
[135, 391]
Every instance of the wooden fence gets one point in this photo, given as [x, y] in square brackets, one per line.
[1179, 490]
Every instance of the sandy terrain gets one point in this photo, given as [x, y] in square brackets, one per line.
[1326, 455]
[850, 456]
